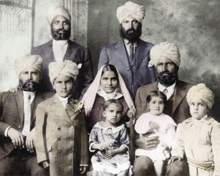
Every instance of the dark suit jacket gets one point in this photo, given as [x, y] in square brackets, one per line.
[180, 110]
[12, 114]
[116, 54]
[75, 53]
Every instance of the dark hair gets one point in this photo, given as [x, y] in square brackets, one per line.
[111, 101]
[110, 67]
[156, 93]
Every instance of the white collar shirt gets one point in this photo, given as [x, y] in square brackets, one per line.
[170, 89]
[59, 49]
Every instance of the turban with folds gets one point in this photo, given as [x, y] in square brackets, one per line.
[203, 92]
[33, 61]
[55, 11]
[165, 50]
[130, 9]
[67, 68]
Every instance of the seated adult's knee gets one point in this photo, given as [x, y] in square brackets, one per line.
[179, 168]
[143, 165]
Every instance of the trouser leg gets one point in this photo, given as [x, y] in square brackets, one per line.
[143, 166]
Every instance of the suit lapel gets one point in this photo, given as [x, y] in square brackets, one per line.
[20, 105]
[179, 95]
[121, 53]
[70, 52]
[48, 51]
[60, 110]
[140, 53]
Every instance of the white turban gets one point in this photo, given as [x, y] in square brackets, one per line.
[165, 50]
[55, 11]
[67, 68]
[130, 9]
[33, 61]
[203, 92]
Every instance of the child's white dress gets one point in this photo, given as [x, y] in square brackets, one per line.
[113, 138]
[199, 140]
[164, 128]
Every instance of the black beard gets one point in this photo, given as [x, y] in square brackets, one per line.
[29, 85]
[64, 35]
[133, 36]
[167, 80]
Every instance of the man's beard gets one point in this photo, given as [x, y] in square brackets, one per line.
[29, 85]
[57, 35]
[168, 79]
[132, 35]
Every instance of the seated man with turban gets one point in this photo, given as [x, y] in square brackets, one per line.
[166, 59]
[61, 136]
[131, 54]
[61, 48]
[17, 120]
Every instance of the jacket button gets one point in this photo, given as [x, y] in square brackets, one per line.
[127, 69]
[59, 151]
[59, 139]
[19, 127]
[58, 128]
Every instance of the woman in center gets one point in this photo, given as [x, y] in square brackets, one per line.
[108, 84]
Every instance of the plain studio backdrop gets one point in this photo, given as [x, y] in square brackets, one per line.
[191, 24]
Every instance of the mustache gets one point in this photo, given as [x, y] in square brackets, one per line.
[167, 79]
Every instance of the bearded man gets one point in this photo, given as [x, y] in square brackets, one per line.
[131, 54]
[61, 48]
[166, 59]
[17, 120]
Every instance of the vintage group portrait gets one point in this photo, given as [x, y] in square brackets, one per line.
[109, 88]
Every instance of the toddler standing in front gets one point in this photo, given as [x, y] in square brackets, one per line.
[158, 124]
[198, 138]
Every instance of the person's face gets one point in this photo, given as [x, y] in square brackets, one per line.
[156, 106]
[63, 85]
[130, 23]
[165, 64]
[109, 81]
[113, 114]
[30, 74]
[198, 108]
[60, 28]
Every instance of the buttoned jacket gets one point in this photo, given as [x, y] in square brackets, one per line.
[61, 136]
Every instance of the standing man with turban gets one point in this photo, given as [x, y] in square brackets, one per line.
[62, 48]
[131, 54]
[166, 59]
[17, 120]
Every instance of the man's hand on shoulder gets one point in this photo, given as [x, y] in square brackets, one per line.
[16, 138]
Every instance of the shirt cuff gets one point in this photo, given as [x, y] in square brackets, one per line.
[6, 131]
[90, 147]
[84, 165]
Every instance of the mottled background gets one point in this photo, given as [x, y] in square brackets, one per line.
[193, 25]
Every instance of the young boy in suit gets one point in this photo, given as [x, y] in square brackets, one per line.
[61, 136]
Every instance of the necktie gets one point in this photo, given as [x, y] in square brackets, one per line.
[131, 48]
[165, 91]
[27, 115]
